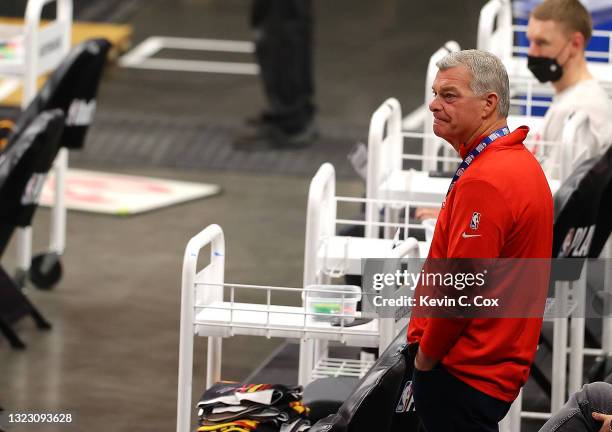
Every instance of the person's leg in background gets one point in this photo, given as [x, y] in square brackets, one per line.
[446, 404]
[284, 34]
[577, 414]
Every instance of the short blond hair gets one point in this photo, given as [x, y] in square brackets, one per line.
[571, 14]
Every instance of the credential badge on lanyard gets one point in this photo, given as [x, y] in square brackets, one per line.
[463, 166]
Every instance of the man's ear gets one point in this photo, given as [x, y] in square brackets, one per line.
[578, 42]
[490, 104]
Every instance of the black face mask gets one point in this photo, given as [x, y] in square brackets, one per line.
[545, 68]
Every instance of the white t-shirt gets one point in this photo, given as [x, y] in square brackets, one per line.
[595, 136]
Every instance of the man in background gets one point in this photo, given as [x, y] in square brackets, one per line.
[558, 33]
[283, 48]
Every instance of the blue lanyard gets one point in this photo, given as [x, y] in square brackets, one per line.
[475, 153]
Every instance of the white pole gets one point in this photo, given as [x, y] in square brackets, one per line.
[607, 321]
[213, 235]
[576, 364]
[58, 217]
[559, 347]
[24, 248]
[213, 360]
[306, 361]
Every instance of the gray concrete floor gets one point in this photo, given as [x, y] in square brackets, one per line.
[112, 355]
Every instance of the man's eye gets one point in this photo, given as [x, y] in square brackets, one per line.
[449, 96]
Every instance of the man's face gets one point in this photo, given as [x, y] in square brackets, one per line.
[457, 111]
[547, 39]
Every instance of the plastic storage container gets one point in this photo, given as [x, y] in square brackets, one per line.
[334, 303]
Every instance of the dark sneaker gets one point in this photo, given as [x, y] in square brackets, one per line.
[262, 119]
[301, 139]
[269, 137]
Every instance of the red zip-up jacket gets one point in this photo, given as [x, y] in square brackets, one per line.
[507, 187]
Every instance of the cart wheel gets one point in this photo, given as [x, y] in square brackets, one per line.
[46, 270]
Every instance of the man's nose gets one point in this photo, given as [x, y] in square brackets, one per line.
[533, 50]
[434, 105]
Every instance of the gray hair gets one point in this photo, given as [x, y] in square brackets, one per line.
[488, 74]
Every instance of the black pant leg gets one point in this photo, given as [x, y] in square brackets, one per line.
[444, 403]
[283, 50]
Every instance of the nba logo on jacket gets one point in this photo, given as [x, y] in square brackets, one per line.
[475, 220]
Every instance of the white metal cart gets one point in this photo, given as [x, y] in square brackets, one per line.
[206, 311]
[328, 255]
[43, 49]
[209, 307]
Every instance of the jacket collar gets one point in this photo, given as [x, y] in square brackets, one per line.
[518, 135]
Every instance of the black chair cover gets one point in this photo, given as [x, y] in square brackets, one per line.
[23, 169]
[583, 216]
[373, 405]
[72, 87]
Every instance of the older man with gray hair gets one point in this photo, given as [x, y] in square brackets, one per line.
[468, 370]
